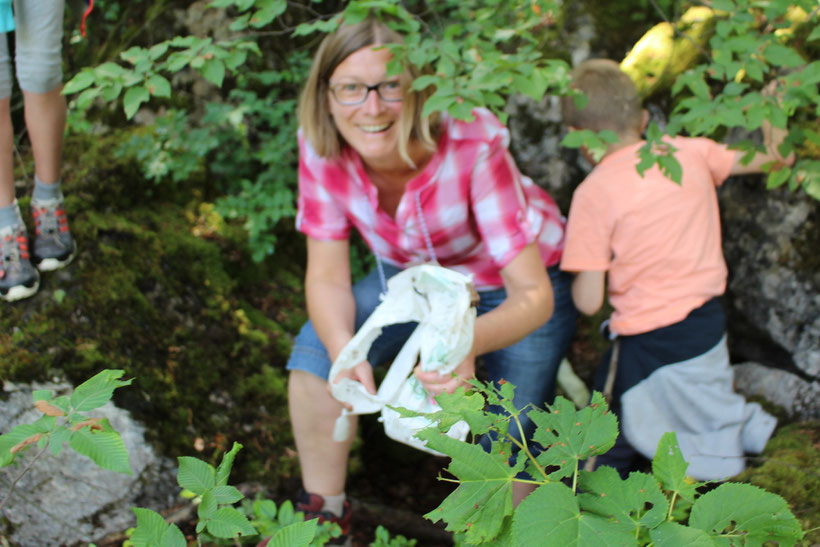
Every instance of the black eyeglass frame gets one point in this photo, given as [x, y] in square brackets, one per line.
[368, 89]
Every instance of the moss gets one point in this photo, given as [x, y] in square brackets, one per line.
[788, 467]
[165, 289]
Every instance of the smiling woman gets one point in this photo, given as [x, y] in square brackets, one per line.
[417, 188]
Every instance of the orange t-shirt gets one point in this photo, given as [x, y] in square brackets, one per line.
[659, 241]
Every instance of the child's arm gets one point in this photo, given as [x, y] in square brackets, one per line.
[772, 138]
[588, 291]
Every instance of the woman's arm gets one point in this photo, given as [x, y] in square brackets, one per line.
[528, 305]
[330, 303]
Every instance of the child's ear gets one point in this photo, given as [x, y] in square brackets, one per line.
[644, 119]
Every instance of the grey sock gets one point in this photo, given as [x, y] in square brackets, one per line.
[335, 504]
[10, 215]
[46, 192]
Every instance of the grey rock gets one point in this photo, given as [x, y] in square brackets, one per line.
[67, 499]
[797, 396]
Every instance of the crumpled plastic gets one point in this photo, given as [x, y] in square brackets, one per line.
[441, 301]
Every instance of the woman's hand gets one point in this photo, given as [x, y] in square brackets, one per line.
[436, 383]
[362, 373]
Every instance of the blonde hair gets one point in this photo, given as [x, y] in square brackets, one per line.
[612, 99]
[314, 111]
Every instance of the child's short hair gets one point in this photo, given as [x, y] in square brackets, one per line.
[612, 99]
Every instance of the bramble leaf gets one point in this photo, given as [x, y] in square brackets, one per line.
[744, 510]
[483, 498]
[226, 494]
[97, 390]
[630, 504]
[550, 516]
[672, 534]
[669, 468]
[569, 435]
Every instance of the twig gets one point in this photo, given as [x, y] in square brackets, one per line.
[20, 476]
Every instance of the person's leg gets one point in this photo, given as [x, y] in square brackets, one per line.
[314, 411]
[38, 61]
[531, 365]
[18, 278]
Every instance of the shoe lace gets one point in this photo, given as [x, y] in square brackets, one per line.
[13, 250]
[49, 219]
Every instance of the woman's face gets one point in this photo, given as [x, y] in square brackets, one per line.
[370, 128]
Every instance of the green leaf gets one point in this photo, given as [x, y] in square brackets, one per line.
[780, 55]
[299, 534]
[97, 390]
[229, 523]
[61, 436]
[79, 82]
[629, 504]
[483, 498]
[214, 71]
[743, 509]
[207, 506]
[226, 494]
[134, 97]
[105, 448]
[172, 537]
[669, 468]
[109, 70]
[550, 516]
[150, 528]
[158, 86]
[224, 469]
[19, 434]
[264, 509]
[672, 534]
[569, 435]
[195, 475]
[778, 178]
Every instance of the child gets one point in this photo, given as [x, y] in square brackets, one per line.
[659, 244]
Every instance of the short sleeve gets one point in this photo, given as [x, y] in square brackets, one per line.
[499, 204]
[319, 212]
[718, 157]
[587, 246]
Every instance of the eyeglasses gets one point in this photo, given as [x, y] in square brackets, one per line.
[349, 94]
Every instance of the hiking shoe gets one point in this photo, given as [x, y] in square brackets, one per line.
[18, 278]
[311, 505]
[53, 246]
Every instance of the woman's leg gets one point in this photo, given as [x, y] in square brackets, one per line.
[531, 365]
[313, 410]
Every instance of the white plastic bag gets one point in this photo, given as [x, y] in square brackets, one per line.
[441, 302]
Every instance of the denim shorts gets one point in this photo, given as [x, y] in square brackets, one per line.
[530, 364]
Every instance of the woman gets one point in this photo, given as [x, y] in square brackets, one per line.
[417, 189]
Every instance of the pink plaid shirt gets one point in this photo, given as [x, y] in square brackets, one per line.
[479, 210]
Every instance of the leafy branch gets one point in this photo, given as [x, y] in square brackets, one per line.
[664, 508]
[63, 421]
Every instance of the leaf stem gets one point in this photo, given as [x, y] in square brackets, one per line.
[523, 446]
[671, 505]
[20, 476]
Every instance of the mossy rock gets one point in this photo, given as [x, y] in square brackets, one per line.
[164, 289]
[788, 467]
